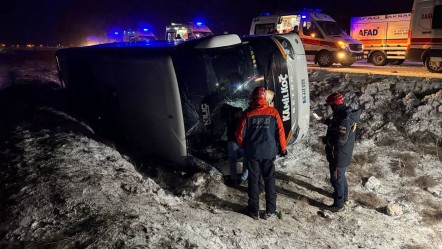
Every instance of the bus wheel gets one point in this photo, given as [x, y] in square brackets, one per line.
[379, 59]
[324, 59]
[396, 62]
[433, 66]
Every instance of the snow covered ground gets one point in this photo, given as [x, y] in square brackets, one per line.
[65, 186]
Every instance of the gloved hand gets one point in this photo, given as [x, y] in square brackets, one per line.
[282, 153]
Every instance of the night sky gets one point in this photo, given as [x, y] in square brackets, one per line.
[70, 21]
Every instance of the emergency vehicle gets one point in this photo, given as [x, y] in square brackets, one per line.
[138, 35]
[385, 37]
[184, 31]
[324, 40]
[129, 35]
[165, 97]
[425, 37]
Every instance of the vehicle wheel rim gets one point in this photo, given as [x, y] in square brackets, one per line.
[435, 65]
[379, 59]
[324, 59]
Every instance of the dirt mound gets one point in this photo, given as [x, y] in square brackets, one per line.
[392, 106]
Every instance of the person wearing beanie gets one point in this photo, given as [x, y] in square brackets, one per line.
[261, 133]
[339, 143]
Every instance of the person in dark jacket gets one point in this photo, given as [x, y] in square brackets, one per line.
[339, 143]
[230, 115]
[261, 133]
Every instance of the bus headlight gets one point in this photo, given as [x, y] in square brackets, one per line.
[342, 45]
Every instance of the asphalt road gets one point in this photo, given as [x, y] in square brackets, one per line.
[415, 69]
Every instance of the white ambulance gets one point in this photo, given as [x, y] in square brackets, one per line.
[425, 38]
[385, 37]
[324, 40]
[184, 31]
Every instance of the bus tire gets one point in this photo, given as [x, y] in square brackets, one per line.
[324, 59]
[396, 62]
[433, 66]
[379, 59]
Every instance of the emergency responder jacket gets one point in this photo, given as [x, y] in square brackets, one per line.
[341, 135]
[260, 131]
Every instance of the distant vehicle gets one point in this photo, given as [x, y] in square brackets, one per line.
[324, 41]
[385, 37]
[425, 38]
[184, 31]
[165, 97]
[138, 35]
[130, 35]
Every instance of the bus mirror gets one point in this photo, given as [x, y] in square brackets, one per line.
[219, 41]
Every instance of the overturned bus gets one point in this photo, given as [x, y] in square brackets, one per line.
[165, 98]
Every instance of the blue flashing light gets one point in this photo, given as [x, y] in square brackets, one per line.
[145, 29]
[199, 23]
[266, 14]
[116, 33]
[318, 10]
[303, 17]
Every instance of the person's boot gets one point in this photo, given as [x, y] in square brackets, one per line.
[335, 209]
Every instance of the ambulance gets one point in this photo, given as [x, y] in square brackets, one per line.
[324, 40]
[385, 37]
[425, 37]
[184, 31]
[164, 98]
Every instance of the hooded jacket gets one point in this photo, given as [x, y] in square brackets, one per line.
[260, 131]
[341, 135]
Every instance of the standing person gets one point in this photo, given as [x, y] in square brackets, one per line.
[339, 142]
[230, 115]
[261, 133]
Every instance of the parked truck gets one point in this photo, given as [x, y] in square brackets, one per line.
[385, 37]
[425, 37]
[165, 97]
[325, 42]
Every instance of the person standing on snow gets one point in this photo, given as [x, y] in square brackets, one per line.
[230, 115]
[339, 143]
[261, 133]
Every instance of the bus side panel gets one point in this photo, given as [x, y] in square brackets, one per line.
[149, 113]
[132, 104]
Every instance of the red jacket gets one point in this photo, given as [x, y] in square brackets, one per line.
[260, 131]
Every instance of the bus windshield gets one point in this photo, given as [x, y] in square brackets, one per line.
[331, 28]
[209, 79]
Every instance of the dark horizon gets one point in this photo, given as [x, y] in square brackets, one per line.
[67, 21]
